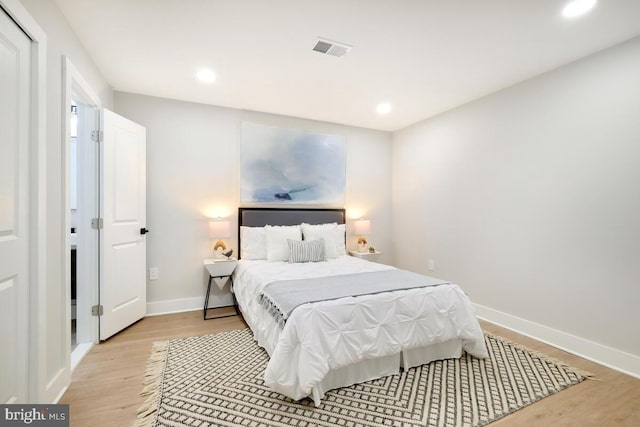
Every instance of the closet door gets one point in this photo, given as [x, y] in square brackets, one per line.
[15, 67]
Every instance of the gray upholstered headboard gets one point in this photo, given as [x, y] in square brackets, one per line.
[259, 217]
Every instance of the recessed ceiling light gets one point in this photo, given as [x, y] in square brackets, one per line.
[383, 108]
[577, 8]
[206, 75]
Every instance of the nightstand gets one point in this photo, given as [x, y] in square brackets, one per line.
[369, 256]
[219, 269]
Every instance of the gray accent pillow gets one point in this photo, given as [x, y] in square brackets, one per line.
[306, 250]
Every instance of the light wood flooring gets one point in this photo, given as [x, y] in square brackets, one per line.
[105, 386]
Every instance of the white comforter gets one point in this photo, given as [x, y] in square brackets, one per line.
[327, 335]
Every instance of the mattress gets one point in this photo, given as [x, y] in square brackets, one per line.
[331, 336]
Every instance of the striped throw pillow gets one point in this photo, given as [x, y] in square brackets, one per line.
[306, 250]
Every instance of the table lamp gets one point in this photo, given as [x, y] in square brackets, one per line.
[219, 229]
[362, 227]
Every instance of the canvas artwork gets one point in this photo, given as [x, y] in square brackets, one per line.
[279, 165]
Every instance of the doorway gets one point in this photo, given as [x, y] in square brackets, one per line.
[81, 205]
[109, 220]
[73, 152]
[83, 251]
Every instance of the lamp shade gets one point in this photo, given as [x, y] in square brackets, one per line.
[219, 229]
[362, 226]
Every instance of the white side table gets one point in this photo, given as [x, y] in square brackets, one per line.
[369, 256]
[219, 269]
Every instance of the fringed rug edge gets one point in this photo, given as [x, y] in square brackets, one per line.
[146, 414]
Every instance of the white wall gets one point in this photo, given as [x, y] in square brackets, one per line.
[530, 200]
[193, 174]
[60, 41]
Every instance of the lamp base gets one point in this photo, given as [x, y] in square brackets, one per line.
[218, 250]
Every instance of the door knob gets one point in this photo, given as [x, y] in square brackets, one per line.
[143, 231]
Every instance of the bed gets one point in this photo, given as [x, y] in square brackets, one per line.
[336, 342]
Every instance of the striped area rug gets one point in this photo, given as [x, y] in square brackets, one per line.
[216, 380]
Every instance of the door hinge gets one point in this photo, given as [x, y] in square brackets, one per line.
[96, 223]
[97, 136]
[97, 310]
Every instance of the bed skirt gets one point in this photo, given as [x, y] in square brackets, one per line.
[372, 369]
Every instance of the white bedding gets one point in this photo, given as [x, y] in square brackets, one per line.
[329, 335]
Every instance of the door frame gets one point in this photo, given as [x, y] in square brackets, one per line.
[75, 86]
[39, 389]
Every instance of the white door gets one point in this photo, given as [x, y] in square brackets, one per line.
[15, 52]
[123, 210]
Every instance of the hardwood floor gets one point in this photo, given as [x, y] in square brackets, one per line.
[106, 385]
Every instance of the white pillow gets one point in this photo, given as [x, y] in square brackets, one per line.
[340, 239]
[276, 236]
[253, 243]
[328, 232]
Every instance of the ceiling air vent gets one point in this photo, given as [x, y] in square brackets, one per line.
[331, 48]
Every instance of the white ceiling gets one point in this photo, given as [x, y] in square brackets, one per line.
[422, 56]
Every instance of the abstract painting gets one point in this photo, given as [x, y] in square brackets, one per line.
[279, 165]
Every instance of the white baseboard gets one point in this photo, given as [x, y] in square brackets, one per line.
[76, 356]
[79, 353]
[62, 392]
[156, 308]
[56, 388]
[610, 357]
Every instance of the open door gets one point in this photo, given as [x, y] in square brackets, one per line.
[123, 252]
